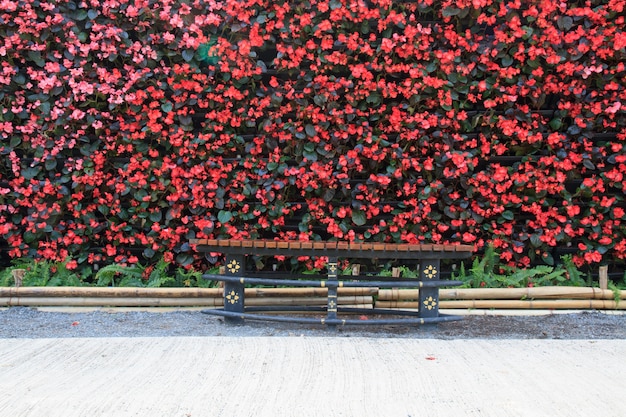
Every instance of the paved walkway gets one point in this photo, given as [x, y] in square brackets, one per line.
[307, 376]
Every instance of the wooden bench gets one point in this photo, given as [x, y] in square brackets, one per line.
[428, 256]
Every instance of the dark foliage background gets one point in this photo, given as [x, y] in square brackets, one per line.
[129, 127]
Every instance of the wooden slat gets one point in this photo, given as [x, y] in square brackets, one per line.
[247, 243]
[223, 243]
[464, 248]
[258, 243]
[331, 245]
[283, 244]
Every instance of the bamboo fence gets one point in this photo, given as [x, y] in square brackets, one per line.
[510, 298]
[178, 297]
[475, 298]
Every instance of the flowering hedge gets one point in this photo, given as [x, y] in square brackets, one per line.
[129, 127]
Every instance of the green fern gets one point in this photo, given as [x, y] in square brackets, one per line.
[617, 293]
[483, 270]
[574, 275]
[159, 276]
[128, 275]
[190, 278]
[6, 278]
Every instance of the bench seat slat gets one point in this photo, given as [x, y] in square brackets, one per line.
[337, 249]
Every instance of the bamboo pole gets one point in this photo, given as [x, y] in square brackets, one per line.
[152, 298]
[553, 292]
[18, 276]
[361, 302]
[110, 302]
[507, 298]
[604, 277]
[511, 304]
[126, 292]
[122, 292]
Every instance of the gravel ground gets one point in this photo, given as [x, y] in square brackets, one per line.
[23, 322]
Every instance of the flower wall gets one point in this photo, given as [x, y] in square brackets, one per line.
[128, 127]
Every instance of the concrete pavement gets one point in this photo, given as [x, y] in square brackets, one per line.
[311, 376]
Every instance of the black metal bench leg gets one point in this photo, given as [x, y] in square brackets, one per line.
[331, 313]
[429, 296]
[234, 297]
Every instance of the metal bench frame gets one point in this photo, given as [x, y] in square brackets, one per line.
[429, 282]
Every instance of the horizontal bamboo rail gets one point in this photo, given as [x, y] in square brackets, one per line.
[126, 292]
[178, 297]
[478, 298]
[552, 292]
[122, 292]
[511, 304]
[360, 302]
[109, 302]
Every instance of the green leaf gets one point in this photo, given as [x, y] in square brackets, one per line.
[359, 217]
[156, 216]
[535, 241]
[320, 100]
[564, 23]
[547, 258]
[329, 193]
[19, 79]
[50, 164]
[31, 172]
[166, 107]
[35, 56]
[310, 155]
[81, 14]
[310, 130]
[184, 259]
[507, 61]
[588, 164]
[450, 11]
[224, 216]
[556, 124]
[335, 4]
[373, 98]
[188, 54]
